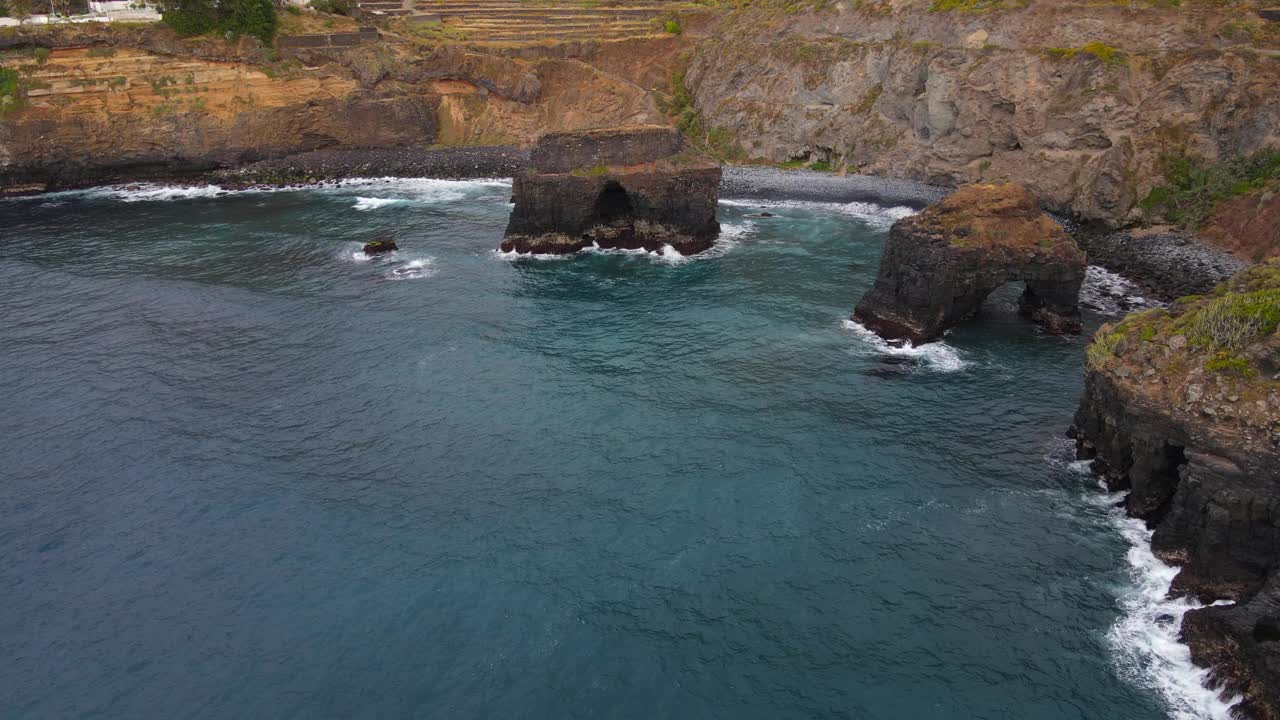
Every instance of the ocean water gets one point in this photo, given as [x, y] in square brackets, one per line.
[246, 471]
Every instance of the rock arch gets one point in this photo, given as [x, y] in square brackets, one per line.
[940, 265]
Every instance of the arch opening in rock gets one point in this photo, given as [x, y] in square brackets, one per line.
[628, 187]
[613, 205]
[939, 266]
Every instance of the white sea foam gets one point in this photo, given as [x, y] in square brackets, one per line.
[148, 192]
[1111, 293]
[412, 270]
[426, 190]
[935, 355]
[871, 213]
[512, 255]
[366, 203]
[666, 254]
[1145, 638]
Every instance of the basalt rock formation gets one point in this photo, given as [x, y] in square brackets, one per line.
[380, 246]
[630, 187]
[1182, 408]
[939, 265]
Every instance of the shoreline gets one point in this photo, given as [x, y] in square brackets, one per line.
[1166, 263]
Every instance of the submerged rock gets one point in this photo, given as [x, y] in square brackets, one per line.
[379, 246]
[1182, 408]
[630, 187]
[940, 265]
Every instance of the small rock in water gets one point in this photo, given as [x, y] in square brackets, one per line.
[379, 246]
[766, 213]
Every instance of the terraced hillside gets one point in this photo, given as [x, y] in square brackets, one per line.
[528, 21]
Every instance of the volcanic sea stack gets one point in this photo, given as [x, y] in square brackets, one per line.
[940, 265]
[627, 187]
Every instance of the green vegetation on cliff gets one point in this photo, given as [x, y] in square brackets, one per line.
[1107, 54]
[717, 142]
[10, 91]
[1193, 186]
[255, 18]
[1230, 330]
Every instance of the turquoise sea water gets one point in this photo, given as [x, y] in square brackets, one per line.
[247, 472]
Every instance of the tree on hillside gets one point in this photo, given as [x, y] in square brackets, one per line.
[236, 17]
[20, 9]
[249, 17]
[61, 8]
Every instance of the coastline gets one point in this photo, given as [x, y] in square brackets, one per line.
[1165, 263]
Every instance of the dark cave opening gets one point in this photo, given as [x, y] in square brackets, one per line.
[612, 205]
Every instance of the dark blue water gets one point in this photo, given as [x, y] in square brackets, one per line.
[247, 474]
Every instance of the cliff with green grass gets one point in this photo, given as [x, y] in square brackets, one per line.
[1182, 408]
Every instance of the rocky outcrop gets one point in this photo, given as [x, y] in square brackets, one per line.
[112, 104]
[1182, 408]
[1079, 102]
[938, 266]
[632, 187]
[381, 245]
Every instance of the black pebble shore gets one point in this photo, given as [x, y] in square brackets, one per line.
[453, 163]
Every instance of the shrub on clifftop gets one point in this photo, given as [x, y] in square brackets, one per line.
[1235, 329]
[256, 18]
[1194, 186]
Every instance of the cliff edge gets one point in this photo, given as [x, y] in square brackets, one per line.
[1182, 408]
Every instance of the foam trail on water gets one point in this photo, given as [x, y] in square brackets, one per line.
[413, 270]
[366, 203]
[512, 255]
[413, 189]
[936, 355]
[870, 213]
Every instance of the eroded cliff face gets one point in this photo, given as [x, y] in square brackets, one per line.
[1078, 102]
[1182, 408]
[106, 105]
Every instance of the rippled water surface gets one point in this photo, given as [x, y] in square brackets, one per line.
[248, 472]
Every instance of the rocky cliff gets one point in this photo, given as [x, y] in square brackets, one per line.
[1082, 103]
[1182, 408]
[101, 104]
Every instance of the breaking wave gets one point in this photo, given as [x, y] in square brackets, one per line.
[1145, 639]
[1111, 293]
[364, 203]
[668, 255]
[935, 355]
[402, 189]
